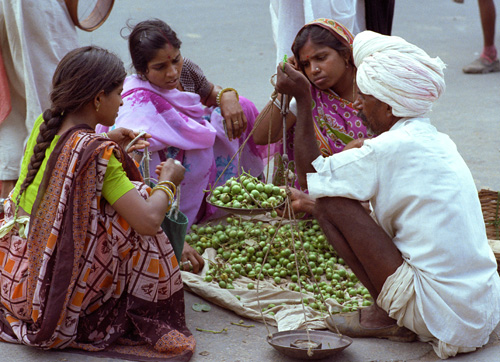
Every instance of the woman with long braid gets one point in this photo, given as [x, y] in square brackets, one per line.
[84, 262]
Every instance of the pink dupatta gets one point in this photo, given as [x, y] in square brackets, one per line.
[174, 119]
[178, 123]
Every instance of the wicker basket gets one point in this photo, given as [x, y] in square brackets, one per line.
[490, 204]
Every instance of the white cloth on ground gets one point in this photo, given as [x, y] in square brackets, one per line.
[288, 16]
[424, 197]
[398, 298]
[34, 36]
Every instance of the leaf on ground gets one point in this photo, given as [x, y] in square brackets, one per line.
[241, 323]
[200, 307]
[211, 331]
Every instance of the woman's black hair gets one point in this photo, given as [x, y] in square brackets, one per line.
[146, 38]
[320, 36]
[79, 77]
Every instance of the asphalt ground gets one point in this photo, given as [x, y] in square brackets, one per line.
[232, 41]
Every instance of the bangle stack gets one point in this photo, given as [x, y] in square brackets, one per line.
[222, 91]
[167, 187]
[169, 184]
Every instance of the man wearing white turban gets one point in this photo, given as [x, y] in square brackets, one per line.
[423, 253]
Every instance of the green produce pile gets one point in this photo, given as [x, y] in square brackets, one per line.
[265, 250]
[247, 192]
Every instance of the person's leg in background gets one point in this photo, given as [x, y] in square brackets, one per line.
[379, 15]
[488, 61]
[34, 37]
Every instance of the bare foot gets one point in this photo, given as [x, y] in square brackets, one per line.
[375, 317]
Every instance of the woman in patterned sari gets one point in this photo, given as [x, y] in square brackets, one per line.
[323, 52]
[84, 262]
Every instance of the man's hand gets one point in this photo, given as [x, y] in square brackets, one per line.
[299, 201]
[357, 143]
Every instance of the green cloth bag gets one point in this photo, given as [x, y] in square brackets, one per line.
[175, 223]
[175, 226]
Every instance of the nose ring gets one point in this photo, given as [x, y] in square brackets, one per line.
[317, 69]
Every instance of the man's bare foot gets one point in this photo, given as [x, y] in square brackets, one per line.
[375, 317]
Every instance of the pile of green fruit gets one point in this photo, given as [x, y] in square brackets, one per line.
[247, 192]
[261, 250]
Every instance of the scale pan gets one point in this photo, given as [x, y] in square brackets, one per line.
[239, 211]
[329, 343]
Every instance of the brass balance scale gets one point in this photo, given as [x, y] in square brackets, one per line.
[304, 344]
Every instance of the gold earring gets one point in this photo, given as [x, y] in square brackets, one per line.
[97, 107]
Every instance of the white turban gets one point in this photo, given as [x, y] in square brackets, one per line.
[397, 73]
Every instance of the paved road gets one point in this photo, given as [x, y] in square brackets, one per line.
[231, 40]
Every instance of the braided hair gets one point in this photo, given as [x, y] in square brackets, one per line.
[79, 77]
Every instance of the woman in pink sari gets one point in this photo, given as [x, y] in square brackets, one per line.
[189, 119]
[323, 52]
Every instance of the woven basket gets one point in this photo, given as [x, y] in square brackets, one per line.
[490, 204]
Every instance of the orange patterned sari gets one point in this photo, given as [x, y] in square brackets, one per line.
[83, 278]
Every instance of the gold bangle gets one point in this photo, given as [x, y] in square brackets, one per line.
[222, 91]
[167, 191]
[170, 184]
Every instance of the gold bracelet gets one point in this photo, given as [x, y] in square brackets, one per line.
[222, 91]
[169, 183]
[167, 191]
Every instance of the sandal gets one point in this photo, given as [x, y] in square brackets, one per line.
[349, 324]
[482, 66]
